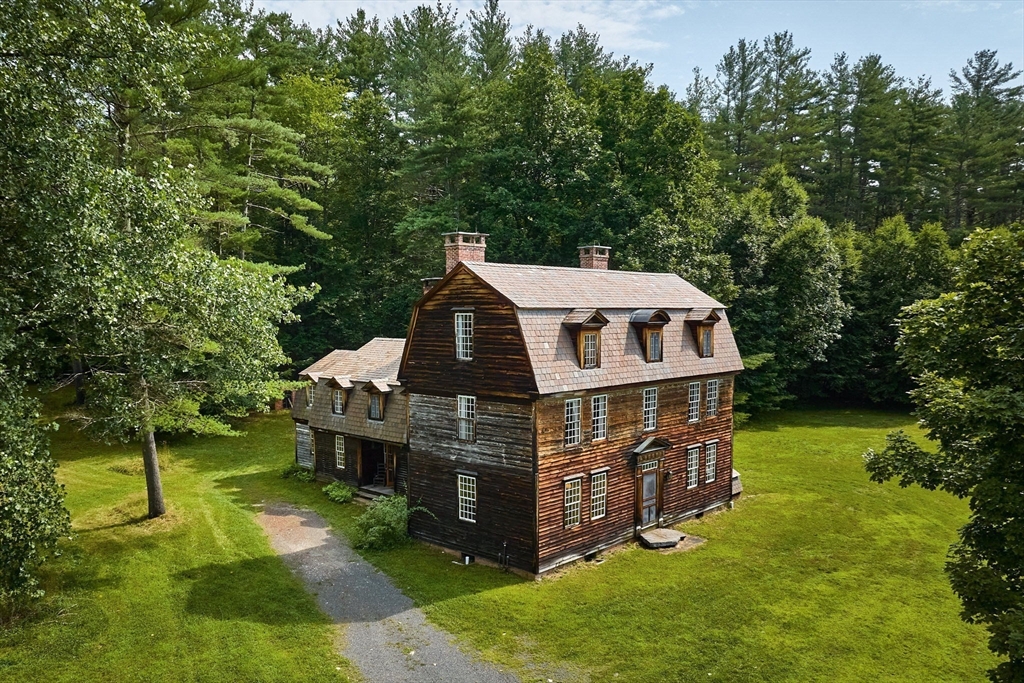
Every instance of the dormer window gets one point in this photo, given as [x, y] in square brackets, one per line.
[590, 347]
[376, 408]
[702, 323]
[376, 401]
[338, 402]
[706, 343]
[339, 386]
[653, 345]
[584, 327]
[650, 327]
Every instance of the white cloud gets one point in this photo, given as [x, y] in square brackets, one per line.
[625, 27]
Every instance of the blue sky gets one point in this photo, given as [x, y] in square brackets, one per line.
[917, 37]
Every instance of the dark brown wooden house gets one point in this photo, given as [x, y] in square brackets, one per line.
[352, 420]
[555, 412]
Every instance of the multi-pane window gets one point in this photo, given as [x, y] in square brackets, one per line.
[590, 359]
[692, 466]
[598, 495]
[467, 418]
[376, 407]
[707, 342]
[464, 336]
[338, 402]
[710, 461]
[339, 452]
[467, 498]
[573, 495]
[650, 408]
[711, 408]
[653, 346]
[309, 394]
[693, 414]
[599, 417]
[572, 421]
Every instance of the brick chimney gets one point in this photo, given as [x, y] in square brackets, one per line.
[594, 257]
[463, 246]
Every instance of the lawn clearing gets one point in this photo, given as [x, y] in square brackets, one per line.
[197, 595]
[817, 574]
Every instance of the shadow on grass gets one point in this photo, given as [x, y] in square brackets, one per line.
[257, 590]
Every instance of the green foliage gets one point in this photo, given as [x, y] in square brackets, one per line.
[385, 524]
[866, 143]
[339, 492]
[789, 268]
[297, 471]
[964, 350]
[32, 514]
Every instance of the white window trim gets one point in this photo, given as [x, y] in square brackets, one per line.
[464, 336]
[572, 501]
[603, 498]
[339, 454]
[591, 352]
[466, 415]
[572, 432]
[601, 400]
[466, 489]
[338, 402]
[693, 470]
[693, 407]
[310, 391]
[711, 402]
[710, 461]
[650, 410]
[651, 357]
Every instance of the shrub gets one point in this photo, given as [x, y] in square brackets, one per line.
[32, 514]
[296, 471]
[339, 492]
[385, 524]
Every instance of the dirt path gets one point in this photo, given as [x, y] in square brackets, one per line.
[386, 637]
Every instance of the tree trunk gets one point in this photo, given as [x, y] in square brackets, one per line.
[78, 369]
[154, 489]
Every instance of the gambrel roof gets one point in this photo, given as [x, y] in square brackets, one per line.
[573, 288]
[375, 361]
[545, 297]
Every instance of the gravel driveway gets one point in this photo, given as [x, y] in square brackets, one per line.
[386, 637]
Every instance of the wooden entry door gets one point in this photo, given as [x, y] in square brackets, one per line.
[390, 463]
[648, 493]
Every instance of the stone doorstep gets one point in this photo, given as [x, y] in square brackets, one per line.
[661, 538]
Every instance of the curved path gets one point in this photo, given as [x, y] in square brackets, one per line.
[386, 636]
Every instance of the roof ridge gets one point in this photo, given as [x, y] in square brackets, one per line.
[575, 269]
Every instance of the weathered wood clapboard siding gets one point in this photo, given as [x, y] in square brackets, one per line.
[556, 463]
[326, 457]
[500, 365]
[501, 459]
[394, 428]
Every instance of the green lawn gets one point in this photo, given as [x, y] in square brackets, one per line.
[817, 574]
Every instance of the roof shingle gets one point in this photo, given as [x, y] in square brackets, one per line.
[376, 360]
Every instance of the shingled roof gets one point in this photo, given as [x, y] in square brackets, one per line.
[546, 297]
[376, 361]
[555, 287]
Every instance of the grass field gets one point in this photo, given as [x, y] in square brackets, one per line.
[817, 575]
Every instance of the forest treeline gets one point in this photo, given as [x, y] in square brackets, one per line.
[815, 204]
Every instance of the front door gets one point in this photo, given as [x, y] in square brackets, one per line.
[648, 492]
